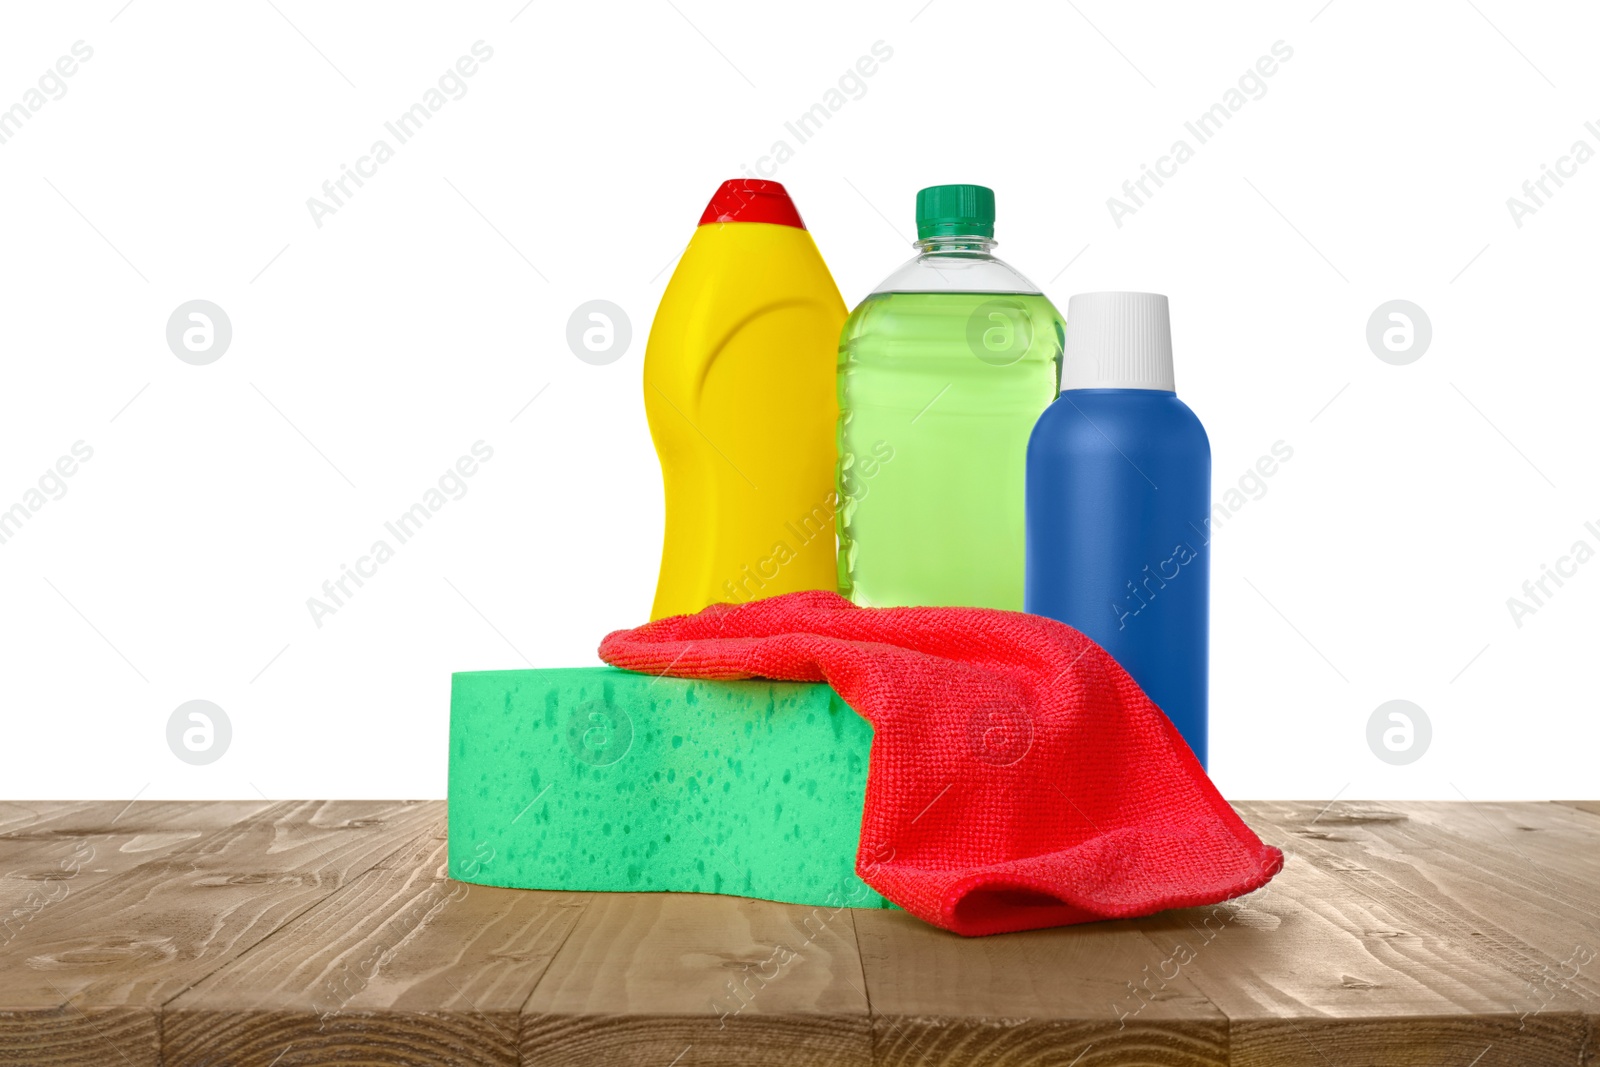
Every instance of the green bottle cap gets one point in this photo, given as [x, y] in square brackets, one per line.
[955, 210]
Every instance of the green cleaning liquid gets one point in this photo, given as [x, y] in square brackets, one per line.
[942, 373]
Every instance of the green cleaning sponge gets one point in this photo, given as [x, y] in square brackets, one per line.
[592, 778]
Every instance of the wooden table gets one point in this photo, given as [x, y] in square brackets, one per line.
[278, 934]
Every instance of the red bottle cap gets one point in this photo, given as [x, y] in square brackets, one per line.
[752, 200]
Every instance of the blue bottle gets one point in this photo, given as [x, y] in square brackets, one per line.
[1118, 503]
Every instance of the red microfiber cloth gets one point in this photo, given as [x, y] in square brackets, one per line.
[1019, 777]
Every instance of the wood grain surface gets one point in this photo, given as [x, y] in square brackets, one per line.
[658, 978]
[402, 959]
[299, 933]
[1379, 954]
[86, 979]
[1092, 994]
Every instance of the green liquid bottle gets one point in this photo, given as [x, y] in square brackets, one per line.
[943, 371]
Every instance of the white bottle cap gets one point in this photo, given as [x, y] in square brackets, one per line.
[1117, 341]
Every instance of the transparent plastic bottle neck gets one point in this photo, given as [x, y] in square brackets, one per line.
[955, 263]
[955, 243]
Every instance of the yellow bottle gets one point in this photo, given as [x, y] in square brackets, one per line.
[740, 393]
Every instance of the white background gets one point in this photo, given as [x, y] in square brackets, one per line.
[369, 353]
